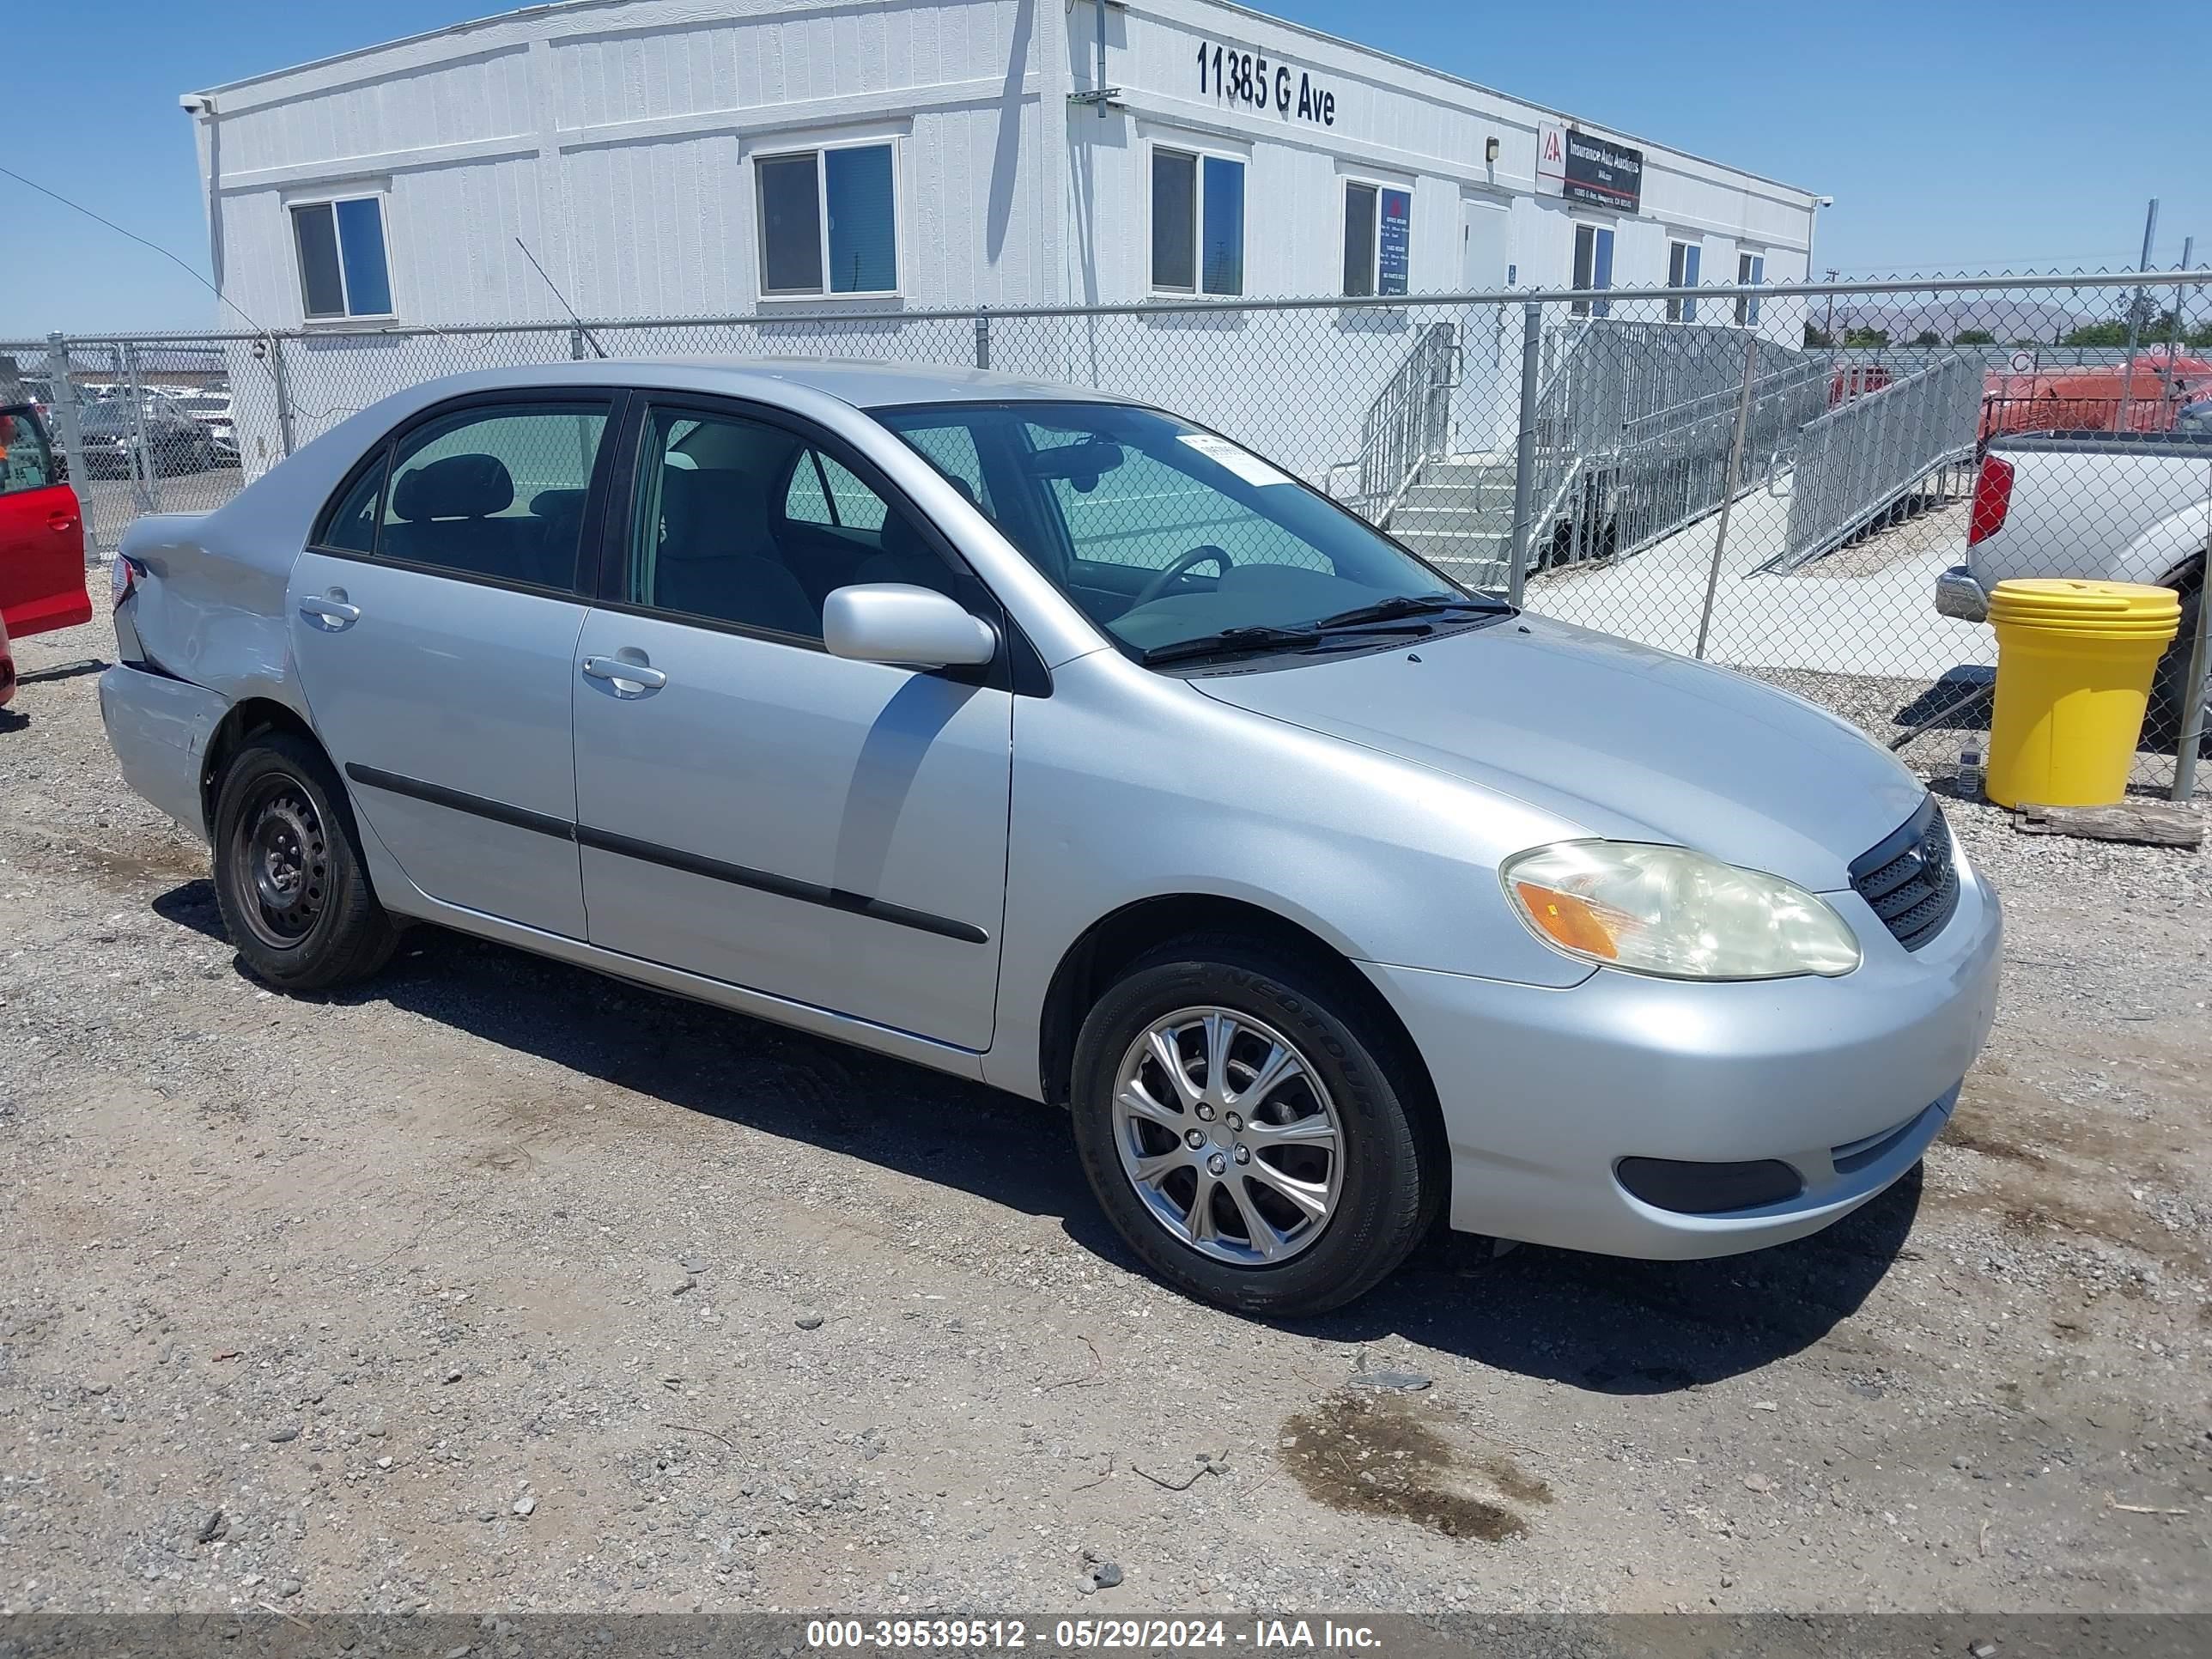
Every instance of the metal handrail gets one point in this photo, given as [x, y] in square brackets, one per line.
[1854, 463]
[1409, 422]
[1612, 421]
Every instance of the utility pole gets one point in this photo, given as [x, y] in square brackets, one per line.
[1831, 329]
[2135, 323]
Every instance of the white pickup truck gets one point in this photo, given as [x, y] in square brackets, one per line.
[2130, 507]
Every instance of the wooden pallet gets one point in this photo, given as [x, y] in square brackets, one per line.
[2155, 826]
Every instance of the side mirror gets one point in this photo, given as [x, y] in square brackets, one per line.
[905, 626]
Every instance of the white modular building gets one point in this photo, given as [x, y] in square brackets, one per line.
[799, 159]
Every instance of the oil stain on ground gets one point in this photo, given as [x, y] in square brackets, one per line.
[1376, 1457]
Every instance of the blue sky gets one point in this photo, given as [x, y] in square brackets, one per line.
[1953, 134]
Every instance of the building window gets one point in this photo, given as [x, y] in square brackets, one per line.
[829, 221]
[1750, 272]
[1198, 222]
[1378, 239]
[1682, 261]
[1593, 268]
[342, 272]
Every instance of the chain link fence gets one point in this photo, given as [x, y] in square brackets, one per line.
[1808, 483]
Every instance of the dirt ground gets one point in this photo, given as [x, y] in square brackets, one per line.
[501, 1286]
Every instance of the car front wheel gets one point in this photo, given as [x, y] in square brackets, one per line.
[288, 874]
[1250, 1132]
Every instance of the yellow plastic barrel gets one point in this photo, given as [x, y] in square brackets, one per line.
[2075, 663]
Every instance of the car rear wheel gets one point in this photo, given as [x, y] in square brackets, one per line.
[288, 872]
[1249, 1132]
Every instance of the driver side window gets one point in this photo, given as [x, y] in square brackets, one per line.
[1146, 514]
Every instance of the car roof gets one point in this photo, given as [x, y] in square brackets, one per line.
[857, 381]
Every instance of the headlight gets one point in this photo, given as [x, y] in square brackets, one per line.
[1669, 911]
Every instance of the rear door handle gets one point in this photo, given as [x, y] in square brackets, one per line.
[331, 615]
[628, 678]
[59, 522]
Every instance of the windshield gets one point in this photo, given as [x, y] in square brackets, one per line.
[1167, 535]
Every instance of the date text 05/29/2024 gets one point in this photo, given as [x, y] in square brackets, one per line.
[1131, 1634]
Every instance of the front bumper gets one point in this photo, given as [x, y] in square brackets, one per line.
[1847, 1081]
[1958, 594]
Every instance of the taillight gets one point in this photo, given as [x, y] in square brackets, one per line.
[1992, 499]
[122, 580]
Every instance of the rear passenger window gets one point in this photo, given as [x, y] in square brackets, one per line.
[497, 493]
[951, 450]
[823, 492]
[856, 505]
[348, 524]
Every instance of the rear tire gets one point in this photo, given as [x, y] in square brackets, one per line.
[288, 878]
[1301, 1192]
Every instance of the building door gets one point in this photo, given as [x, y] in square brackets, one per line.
[1489, 395]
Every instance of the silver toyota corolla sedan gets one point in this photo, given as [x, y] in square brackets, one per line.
[1055, 742]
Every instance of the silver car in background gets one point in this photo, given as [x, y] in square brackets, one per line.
[1057, 742]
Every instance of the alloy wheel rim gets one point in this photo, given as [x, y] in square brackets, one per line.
[282, 862]
[1228, 1136]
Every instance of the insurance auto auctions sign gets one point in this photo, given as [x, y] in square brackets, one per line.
[1583, 168]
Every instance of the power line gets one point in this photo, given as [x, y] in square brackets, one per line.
[133, 236]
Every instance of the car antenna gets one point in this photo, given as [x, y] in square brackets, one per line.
[563, 298]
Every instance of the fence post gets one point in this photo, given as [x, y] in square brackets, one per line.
[284, 439]
[577, 343]
[983, 338]
[143, 470]
[65, 409]
[1728, 491]
[1524, 451]
[2193, 691]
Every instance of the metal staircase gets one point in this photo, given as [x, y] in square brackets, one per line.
[1458, 515]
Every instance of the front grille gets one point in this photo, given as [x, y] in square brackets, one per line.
[1909, 879]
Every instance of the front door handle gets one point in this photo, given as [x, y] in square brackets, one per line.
[629, 679]
[61, 523]
[331, 615]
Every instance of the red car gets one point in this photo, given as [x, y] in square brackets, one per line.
[41, 539]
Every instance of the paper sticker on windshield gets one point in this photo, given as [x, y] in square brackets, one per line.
[1243, 462]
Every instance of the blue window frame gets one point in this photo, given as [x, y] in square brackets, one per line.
[1593, 268]
[859, 196]
[343, 271]
[829, 219]
[1378, 229]
[1221, 211]
[1198, 222]
[1683, 260]
[1750, 272]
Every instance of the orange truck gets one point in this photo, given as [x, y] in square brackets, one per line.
[2147, 397]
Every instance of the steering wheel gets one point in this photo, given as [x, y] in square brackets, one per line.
[1204, 553]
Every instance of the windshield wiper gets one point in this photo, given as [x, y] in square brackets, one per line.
[1230, 641]
[1409, 605]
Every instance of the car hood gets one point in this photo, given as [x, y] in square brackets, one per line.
[1621, 740]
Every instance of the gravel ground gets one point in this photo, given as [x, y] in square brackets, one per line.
[503, 1287]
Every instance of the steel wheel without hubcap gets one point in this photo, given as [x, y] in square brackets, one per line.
[282, 858]
[1228, 1136]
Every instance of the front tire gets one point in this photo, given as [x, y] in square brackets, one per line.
[288, 879]
[1249, 1131]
